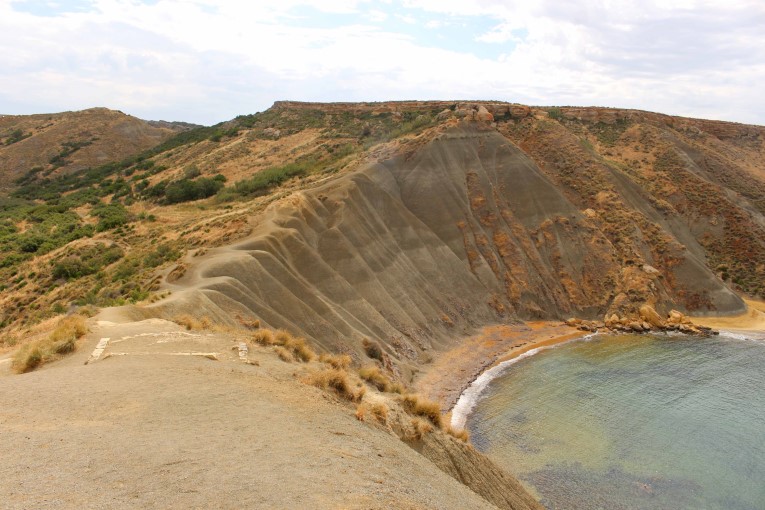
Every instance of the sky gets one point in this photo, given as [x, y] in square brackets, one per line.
[206, 61]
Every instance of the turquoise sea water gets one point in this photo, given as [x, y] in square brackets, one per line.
[632, 422]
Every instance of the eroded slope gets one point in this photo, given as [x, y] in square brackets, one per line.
[420, 249]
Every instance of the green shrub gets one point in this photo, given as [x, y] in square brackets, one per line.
[186, 190]
[271, 177]
[16, 136]
[111, 216]
[86, 261]
[555, 113]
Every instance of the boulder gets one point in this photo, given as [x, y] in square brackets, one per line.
[676, 317]
[648, 269]
[590, 213]
[519, 111]
[272, 133]
[444, 115]
[649, 315]
[613, 320]
[484, 115]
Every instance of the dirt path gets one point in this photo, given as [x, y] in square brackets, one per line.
[149, 424]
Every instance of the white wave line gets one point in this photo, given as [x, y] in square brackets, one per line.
[472, 394]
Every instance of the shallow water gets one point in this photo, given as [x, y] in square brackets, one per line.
[632, 422]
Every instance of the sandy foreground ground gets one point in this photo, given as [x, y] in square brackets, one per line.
[156, 423]
[169, 418]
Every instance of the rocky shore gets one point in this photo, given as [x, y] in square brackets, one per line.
[647, 321]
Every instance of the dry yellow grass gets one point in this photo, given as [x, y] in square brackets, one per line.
[300, 349]
[374, 376]
[397, 388]
[419, 406]
[297, 347]
[342, 361]
[338, 381]
[62, 340]
[378, 410]
[263, 337]
[417, 430]
[190, 322]
[284, 354]
[461, 434]
[361, 411]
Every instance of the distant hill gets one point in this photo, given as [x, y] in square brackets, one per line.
[59, 143]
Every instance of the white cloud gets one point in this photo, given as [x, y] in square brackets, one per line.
[377, 16]
[207, 61]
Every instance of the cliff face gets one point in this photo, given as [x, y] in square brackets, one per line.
[466, 230]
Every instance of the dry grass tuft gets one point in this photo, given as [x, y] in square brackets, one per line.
[284, 354]
[397, 388]
[337, 381]
[419, 406]
[340, 361]
[62, 340]
[374, 376]
[9, 340]
[263, 337]
[87, 311]
[281, 337]
[461, 434]
[298, 347]
[378, 410]
[190, 322]
[372, 349]
[418, 429]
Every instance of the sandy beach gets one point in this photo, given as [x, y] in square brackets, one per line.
[751, 320]
[453, 371]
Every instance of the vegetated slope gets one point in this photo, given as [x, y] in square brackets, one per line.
[95, 236]
[462, 231]
[59, 143]
[419, 220]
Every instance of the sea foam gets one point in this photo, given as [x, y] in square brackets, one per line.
[469, 398]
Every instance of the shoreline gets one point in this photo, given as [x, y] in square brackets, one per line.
[455, 370]
[751, 320]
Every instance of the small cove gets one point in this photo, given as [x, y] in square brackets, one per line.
[632, 422]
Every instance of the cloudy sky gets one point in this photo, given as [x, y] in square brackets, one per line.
[206, 61]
